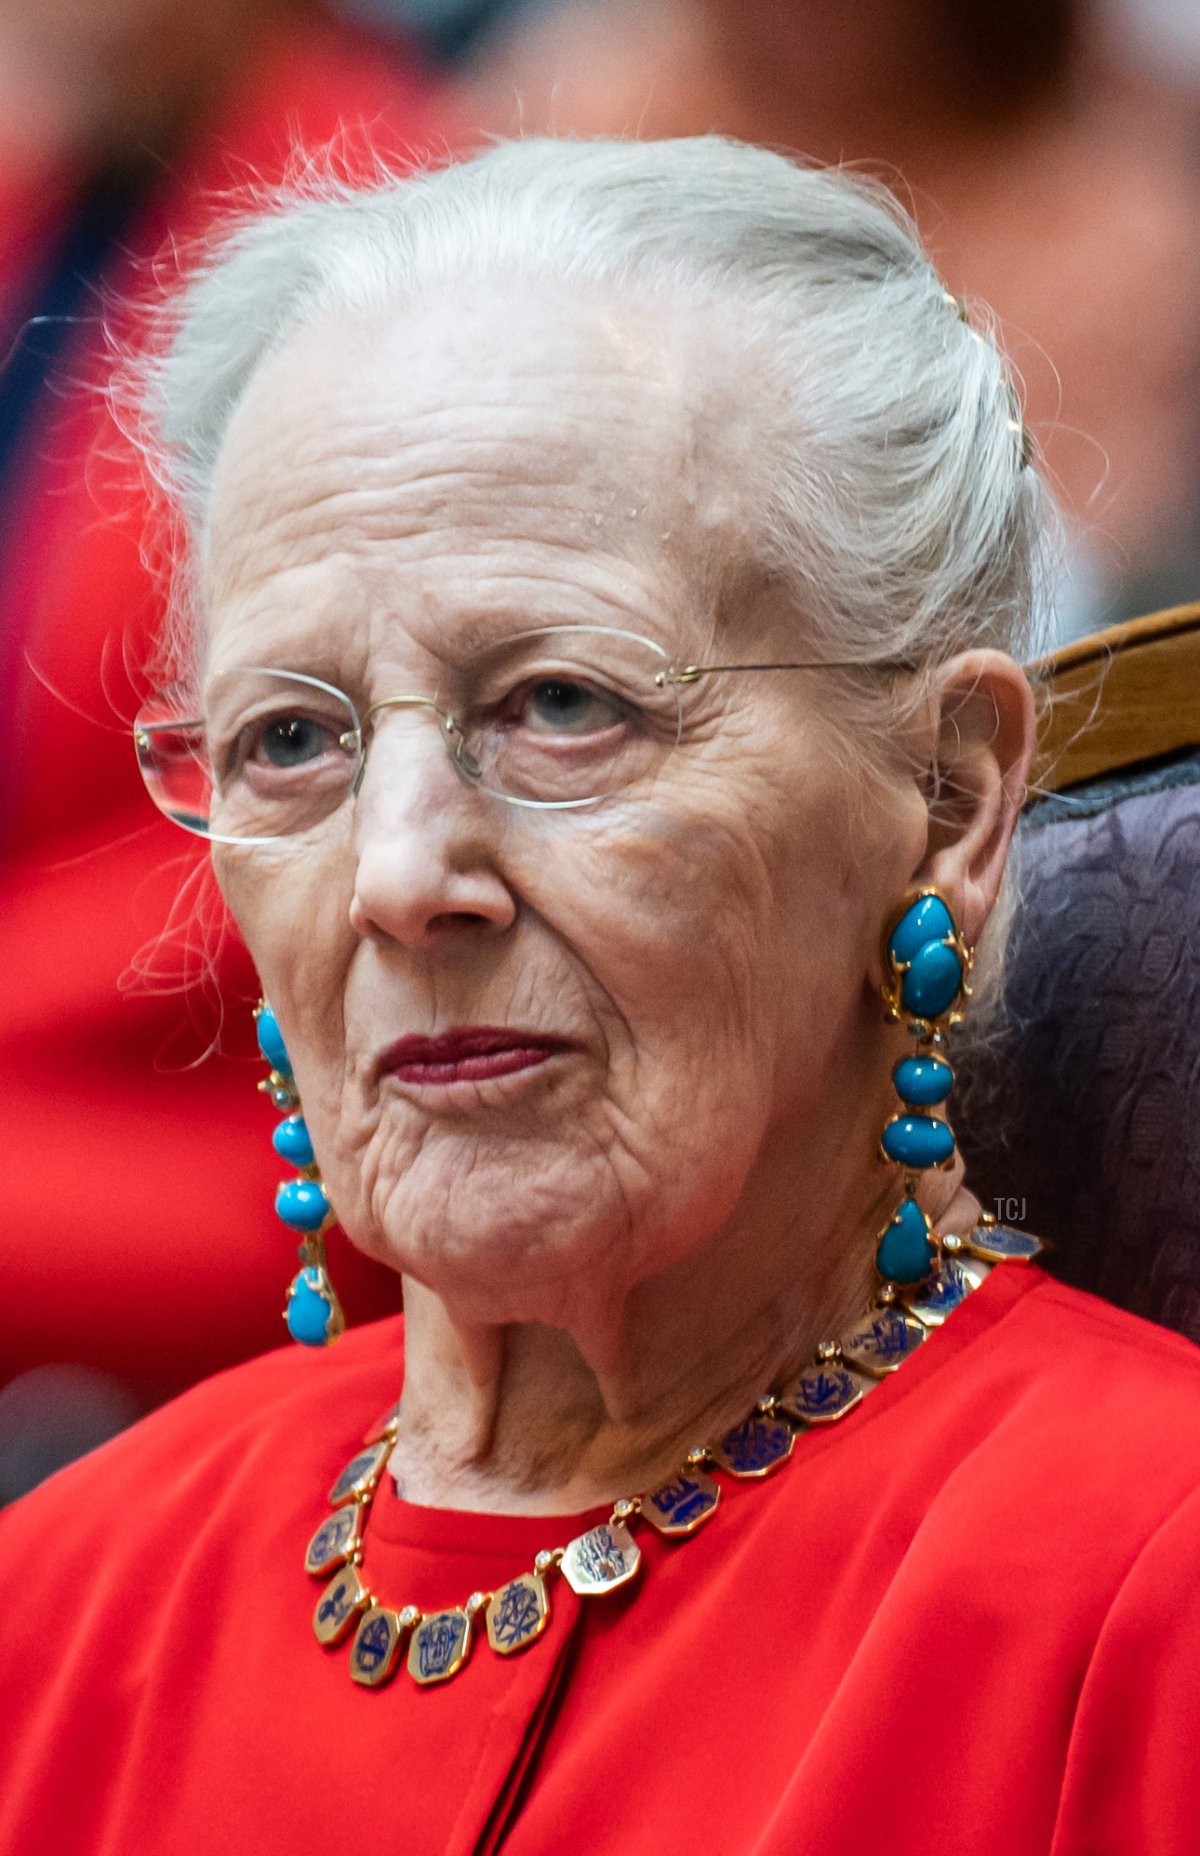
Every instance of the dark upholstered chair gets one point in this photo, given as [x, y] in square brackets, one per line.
[1082, 1119]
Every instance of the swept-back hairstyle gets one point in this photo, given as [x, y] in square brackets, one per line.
[895, 499]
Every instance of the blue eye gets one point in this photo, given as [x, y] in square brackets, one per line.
[292, 740]
[556, 705]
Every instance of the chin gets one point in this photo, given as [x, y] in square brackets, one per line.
[504, 1257]
[502, 1283]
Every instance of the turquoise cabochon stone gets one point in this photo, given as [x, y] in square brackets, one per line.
[918, 1141]
[292, 1141]
[905, 1253]
[271, 1044]
[922, 1080]
[927, 920]
[302, 1204]
[308, 1311]
[933, 981]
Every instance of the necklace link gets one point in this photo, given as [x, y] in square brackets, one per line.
[607, 1556]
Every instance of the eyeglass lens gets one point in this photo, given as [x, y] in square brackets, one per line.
[560, 717]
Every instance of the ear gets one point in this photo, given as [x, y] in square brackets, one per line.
[986, 732]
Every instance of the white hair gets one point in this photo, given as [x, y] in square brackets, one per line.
[897, 502]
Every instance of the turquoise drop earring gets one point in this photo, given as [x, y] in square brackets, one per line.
[927, 976]
[312, 1312]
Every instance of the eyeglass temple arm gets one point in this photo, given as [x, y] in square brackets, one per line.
[692, 673]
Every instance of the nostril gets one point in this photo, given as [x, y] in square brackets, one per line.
[456, 921]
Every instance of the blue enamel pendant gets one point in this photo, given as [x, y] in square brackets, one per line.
[999, 1243]
[884, 1341]
[678, 1507]
[439, 1646]
[755, 1448]
[517, 1614]
[375, 1651]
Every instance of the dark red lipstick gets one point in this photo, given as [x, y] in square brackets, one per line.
[472, 1054]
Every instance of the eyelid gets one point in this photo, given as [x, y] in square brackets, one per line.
[604, 695]
[245, 744]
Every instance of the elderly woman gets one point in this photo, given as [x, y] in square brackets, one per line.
[597, 683]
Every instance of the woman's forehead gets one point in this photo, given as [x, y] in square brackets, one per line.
[520, 436]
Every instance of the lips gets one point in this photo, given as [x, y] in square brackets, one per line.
[472, 1054]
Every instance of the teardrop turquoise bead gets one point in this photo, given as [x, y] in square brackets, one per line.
[923, 1081]
[309, 1312]
[927, 920]
[905, 1253]
[292, 1141]
[271, 1044]
[302, 1204]
[933, 981]
[917, 1141]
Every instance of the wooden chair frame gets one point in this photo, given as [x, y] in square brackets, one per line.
[1122, 696]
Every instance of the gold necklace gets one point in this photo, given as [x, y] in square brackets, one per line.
[607, 1557]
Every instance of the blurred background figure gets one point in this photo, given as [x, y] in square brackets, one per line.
[450, 33]
[49, 1415]
[133, 1264]
[1050, 151]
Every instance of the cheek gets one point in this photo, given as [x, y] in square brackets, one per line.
[721, 963]
[761, 920]
[670, 921]
[721, 922]
[293, 913]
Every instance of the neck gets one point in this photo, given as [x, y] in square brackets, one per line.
[526, 1418]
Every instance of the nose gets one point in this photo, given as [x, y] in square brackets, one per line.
[426, 843]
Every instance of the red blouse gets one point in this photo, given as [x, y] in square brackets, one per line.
[966, 1619]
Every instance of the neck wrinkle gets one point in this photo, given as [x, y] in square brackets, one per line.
[521, 1420]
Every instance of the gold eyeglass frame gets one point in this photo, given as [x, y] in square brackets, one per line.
[354, 740]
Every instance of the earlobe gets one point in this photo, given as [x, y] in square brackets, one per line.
[985, 742]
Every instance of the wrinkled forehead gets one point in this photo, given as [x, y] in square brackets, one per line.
[510, 429]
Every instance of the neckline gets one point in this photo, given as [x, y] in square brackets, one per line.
[463, 1530]
[468, 1530]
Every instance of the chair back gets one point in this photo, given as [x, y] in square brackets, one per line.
[1083, 1111]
